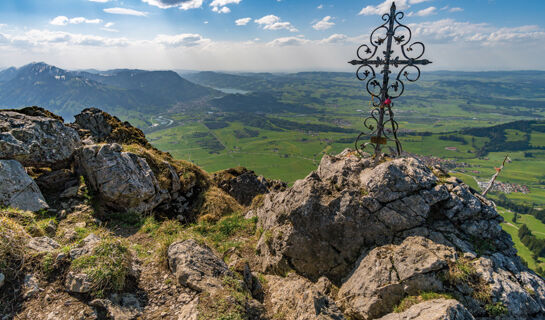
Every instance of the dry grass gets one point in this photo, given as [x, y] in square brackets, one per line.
[216, 204]
[13, 253]
[462, 271]
[410, 301]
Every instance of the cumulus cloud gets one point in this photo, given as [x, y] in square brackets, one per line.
[125, 11]
[456, 9]
[287, 41]
[219, 6]
[320, 6]
[449, 30]
[426, 12]
[63, 21]
[272, 22]
[181, 40]
[334, 38]
[324, 24]
[182, 4]
[384, 7]
[242, 21]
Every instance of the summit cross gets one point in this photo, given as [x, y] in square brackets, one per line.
[381, 94]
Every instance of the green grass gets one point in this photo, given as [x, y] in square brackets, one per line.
[410, 301]
[107, 266]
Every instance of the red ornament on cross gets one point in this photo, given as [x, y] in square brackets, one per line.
[387, 102]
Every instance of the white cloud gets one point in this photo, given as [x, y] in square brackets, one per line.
[418, 1]
[384, 7]
[101, 1]
[182, 4]
[426, 12]
[450, 31]
[46, 38]
[334, 38]
[320, 6]
[109, 25]
[219, 6]
[324, 24]
[272, 22]
[242, 21]
[181, 40]
[221, 10]
[456, 9]
[62, 21]
[287, 41]
[125, 11]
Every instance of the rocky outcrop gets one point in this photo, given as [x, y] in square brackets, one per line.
[196, 266]
[122, 180]
[36, 141]
[295, 298]
[17, 189]
[388, 273]
[241, 183]
[103, 127]
[387, 231]
[120, 306]
[440, 309]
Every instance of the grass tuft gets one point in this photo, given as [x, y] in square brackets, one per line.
[107, 266]
[410, 301]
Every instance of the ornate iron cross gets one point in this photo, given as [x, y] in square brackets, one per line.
[383, 94]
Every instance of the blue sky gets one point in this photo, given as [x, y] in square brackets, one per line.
[264, 35]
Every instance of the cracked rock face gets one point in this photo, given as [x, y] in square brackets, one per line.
[295, 298]
[439, 309]
[36, 141]
[17, 189]
[122, 179]
[388, 273]
[385, 232]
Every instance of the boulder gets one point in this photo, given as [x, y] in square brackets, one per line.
[388, 273]
[43, 244]
[439, 309]
[189, 311]
[295, 298]
[30, 286]
[36, 141]
[196, 266]
[122, 180]
[17, 189]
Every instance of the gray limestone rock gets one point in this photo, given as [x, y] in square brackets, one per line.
[17, 189]
[196, 266]
[295, 298]
[36, 141]
[43, 244]
[123, 180]
[388, 273]
[439, 309]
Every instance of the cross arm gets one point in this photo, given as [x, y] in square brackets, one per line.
[394, 62]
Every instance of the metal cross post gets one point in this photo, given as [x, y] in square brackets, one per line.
[401, 34]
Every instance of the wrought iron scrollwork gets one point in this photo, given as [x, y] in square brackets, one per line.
[380, 126]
